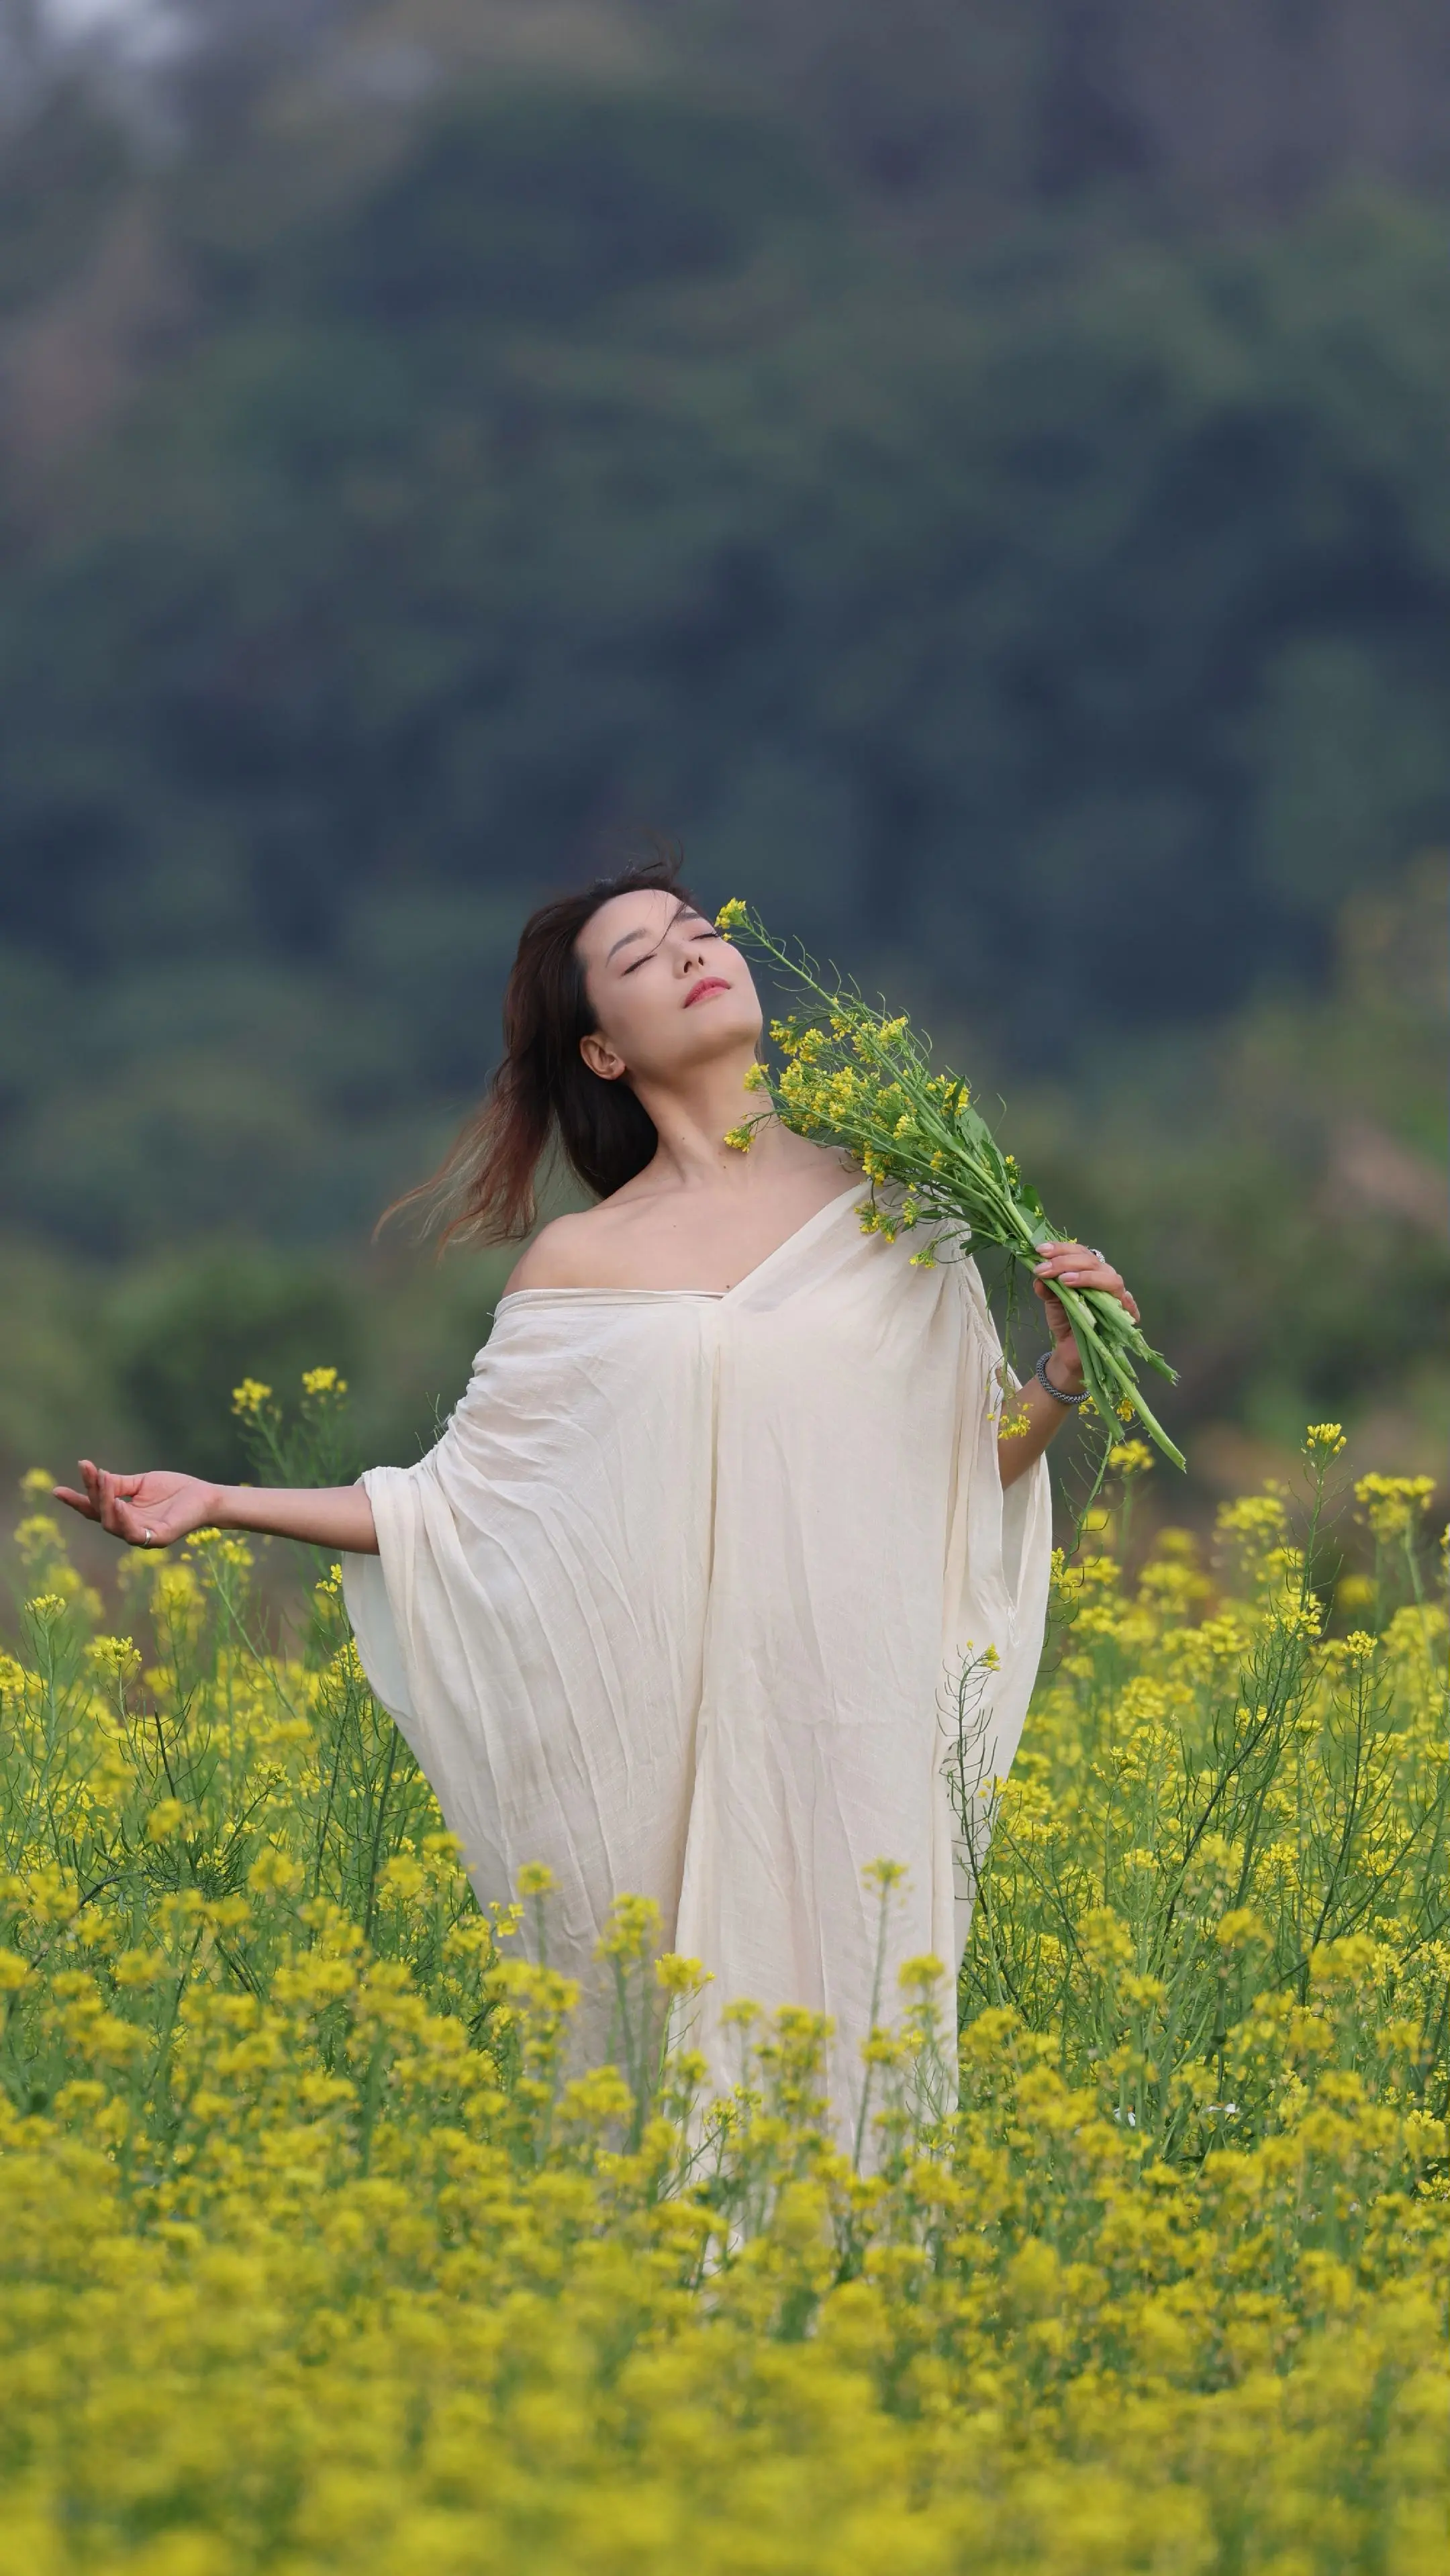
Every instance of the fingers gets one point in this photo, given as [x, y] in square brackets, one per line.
[102, 1490]
[1072, 1262]
[1077, 1265]
[77, 1502]
[107, 1500]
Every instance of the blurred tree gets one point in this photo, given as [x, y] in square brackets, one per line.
[877, 452]
[185, 1334]
[955, 116]
[1276, 1192]
[1009, 631]
[532, 209]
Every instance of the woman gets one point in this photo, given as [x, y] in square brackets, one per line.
[673, 1604]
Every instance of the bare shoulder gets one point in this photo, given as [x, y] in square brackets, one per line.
[563, 1254]
[646, 1239]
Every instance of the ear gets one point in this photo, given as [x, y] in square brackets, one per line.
[600, 1057]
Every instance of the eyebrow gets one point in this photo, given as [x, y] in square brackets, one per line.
[626, 936]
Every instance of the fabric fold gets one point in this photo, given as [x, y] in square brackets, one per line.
[677, 1605]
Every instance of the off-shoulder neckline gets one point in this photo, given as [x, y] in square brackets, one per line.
[712, 1296]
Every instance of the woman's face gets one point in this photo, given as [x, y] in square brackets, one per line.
[668, 993]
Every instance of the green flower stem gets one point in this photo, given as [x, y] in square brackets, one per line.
[920, 1132]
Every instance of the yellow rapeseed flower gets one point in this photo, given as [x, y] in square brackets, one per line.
[331, 2239]
[1130, 1457]
[1324, 1440]
[1392, 1504]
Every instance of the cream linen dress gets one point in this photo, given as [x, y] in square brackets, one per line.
[675, 1604]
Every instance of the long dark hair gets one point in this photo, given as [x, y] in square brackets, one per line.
[543, 1094]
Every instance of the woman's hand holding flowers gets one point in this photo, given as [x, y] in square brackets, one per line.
[1077, 1265]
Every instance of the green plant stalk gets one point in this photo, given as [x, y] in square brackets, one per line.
[957, 1176]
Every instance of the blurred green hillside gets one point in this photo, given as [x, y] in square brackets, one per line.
[980, 482]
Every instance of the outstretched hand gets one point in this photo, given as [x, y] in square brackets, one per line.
[145, 1511]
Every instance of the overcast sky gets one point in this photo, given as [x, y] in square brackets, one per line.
[79, 17]
[79, 14]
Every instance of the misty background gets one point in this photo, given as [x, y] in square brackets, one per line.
[977, 476]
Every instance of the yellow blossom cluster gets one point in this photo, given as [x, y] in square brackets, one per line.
[319, 2251]
[1216, 1776]
[1393, 1504]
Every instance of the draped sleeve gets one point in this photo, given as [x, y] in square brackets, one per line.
[533, 1618]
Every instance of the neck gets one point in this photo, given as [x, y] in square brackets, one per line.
[692, 1117]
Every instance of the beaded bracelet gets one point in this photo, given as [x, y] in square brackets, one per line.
[1058, 1397]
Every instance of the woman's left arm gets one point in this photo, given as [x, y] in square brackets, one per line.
[1034, 1414]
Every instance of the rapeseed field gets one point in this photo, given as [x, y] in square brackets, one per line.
[318, 2255]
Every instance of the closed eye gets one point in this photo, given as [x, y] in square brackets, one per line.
[706, 930]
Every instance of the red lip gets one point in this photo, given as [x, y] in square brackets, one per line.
[706, 984]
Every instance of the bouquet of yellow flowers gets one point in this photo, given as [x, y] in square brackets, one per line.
[855, 1078]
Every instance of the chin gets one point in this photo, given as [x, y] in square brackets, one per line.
[719, 1027]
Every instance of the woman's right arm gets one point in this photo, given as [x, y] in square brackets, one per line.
[154, 1509]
